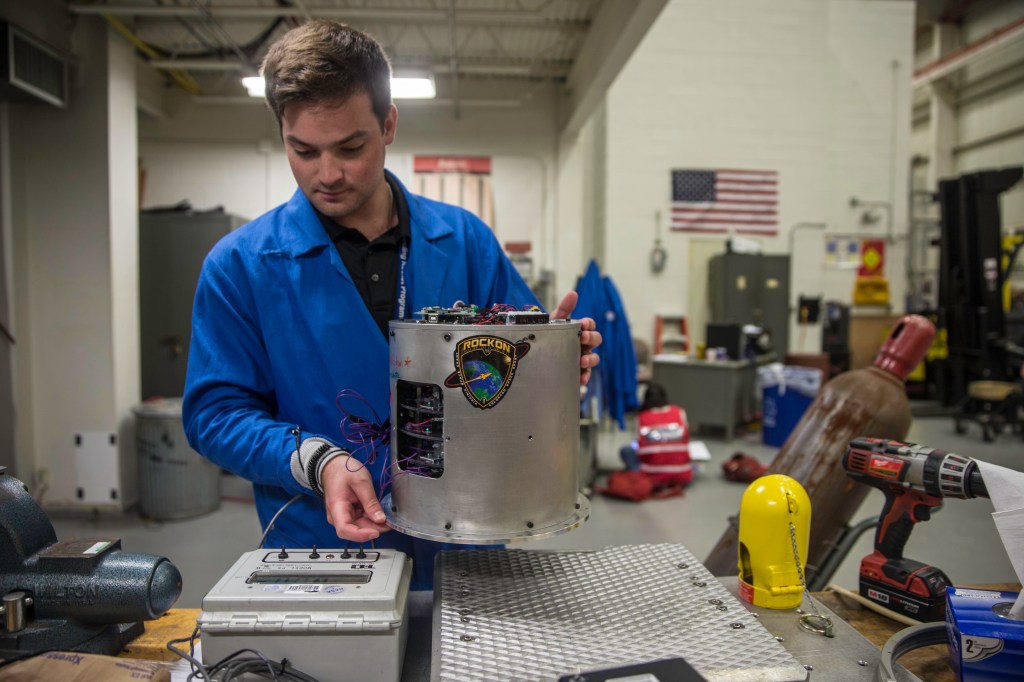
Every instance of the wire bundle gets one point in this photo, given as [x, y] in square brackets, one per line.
[235, 666]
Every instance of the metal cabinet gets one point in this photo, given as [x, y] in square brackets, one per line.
[172, 246]
[752, 288]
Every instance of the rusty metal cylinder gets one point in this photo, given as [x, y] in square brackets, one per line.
[871, 401]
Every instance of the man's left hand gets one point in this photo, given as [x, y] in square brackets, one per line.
[589, 337]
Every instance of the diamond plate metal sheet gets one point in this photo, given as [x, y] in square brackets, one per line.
[504, 615]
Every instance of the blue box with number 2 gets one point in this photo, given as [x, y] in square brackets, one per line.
[985, 645]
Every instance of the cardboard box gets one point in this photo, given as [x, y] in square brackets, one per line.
[984, 644]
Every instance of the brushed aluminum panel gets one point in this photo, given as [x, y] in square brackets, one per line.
[503, 615]
[510, 470]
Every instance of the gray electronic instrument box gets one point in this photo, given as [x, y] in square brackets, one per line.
[334, 614]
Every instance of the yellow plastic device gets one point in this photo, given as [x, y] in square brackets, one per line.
[774, 510]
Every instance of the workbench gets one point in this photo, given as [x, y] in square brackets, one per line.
[715, 393]
[929, 664]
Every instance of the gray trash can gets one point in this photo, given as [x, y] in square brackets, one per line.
[175, 482]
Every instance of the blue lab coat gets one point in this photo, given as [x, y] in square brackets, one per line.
[279, 329]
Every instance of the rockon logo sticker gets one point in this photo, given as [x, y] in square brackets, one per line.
[485, 367]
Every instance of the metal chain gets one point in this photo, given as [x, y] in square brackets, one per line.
[822, 625]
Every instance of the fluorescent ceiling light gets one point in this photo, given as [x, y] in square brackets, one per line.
[412, 88]
[255, 86]
[401, 88]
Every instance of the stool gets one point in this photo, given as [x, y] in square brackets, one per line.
[993, 405]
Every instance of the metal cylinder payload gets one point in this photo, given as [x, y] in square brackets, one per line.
[485, 427]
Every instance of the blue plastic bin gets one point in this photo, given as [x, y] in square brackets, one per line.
[786, 393]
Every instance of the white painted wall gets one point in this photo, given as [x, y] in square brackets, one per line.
[73, 221]
[231, 156]
[818, 91]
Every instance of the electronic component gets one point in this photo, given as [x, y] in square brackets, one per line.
[470, 314]
[314, 607]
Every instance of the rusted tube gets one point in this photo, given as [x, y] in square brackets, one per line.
[871, 401]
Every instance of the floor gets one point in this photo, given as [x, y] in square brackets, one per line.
[961, 540]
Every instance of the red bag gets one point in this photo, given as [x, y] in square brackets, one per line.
[743, 468]
[636, 486]
[663, 446]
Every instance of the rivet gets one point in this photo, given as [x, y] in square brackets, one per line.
[682, 566]
[448, 526]
[755, 614]
[699, 583]
[799, 610]
[577, 505]
[780, 639]
[808, 667]
[532, 337]
[716, 602]
[464, 619]
[529, 524]
[862, 663]
[737, 626]
[723, 607]
[467, 638]
[447, 337]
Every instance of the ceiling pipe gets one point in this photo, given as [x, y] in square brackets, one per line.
[958, 59]
[402, 16]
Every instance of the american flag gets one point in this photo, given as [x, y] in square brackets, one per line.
[742, 201]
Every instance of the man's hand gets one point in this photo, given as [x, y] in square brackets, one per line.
[589, 338]
[352, 506]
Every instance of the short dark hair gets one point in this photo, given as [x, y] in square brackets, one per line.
[326, 62]
[655, 396]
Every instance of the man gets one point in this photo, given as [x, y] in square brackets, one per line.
[293, 308]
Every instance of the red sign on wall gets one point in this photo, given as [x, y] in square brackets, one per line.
[872, 258]
[452, 164]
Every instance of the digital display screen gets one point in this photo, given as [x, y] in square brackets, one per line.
[304, 578]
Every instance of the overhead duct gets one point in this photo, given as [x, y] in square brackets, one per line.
[29, 68]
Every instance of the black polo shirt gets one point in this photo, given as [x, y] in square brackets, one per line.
[374, 266]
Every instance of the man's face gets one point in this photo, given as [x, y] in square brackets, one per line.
[336, 152]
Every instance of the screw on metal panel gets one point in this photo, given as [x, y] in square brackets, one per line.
[862, 663]
[447, 337]
[530, 437]
[529, 524]
[465, 612]
[723, 607]
[464, 619]
[755, 614]
[467, 638]
[780, 639]
[808, 667]
[448, 526]
[577, 505]
[699, 583]
[737, 626]
[799, 610]
[532, 337]
[716, 602]
[682, 566]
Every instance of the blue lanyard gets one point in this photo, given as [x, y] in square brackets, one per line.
[403, 258]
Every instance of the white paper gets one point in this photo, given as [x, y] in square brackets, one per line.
[699, 451]
[1006, 490]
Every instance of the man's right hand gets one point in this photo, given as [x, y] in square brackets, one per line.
[352, 505]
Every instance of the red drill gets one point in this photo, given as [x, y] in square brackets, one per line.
[914, 478]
